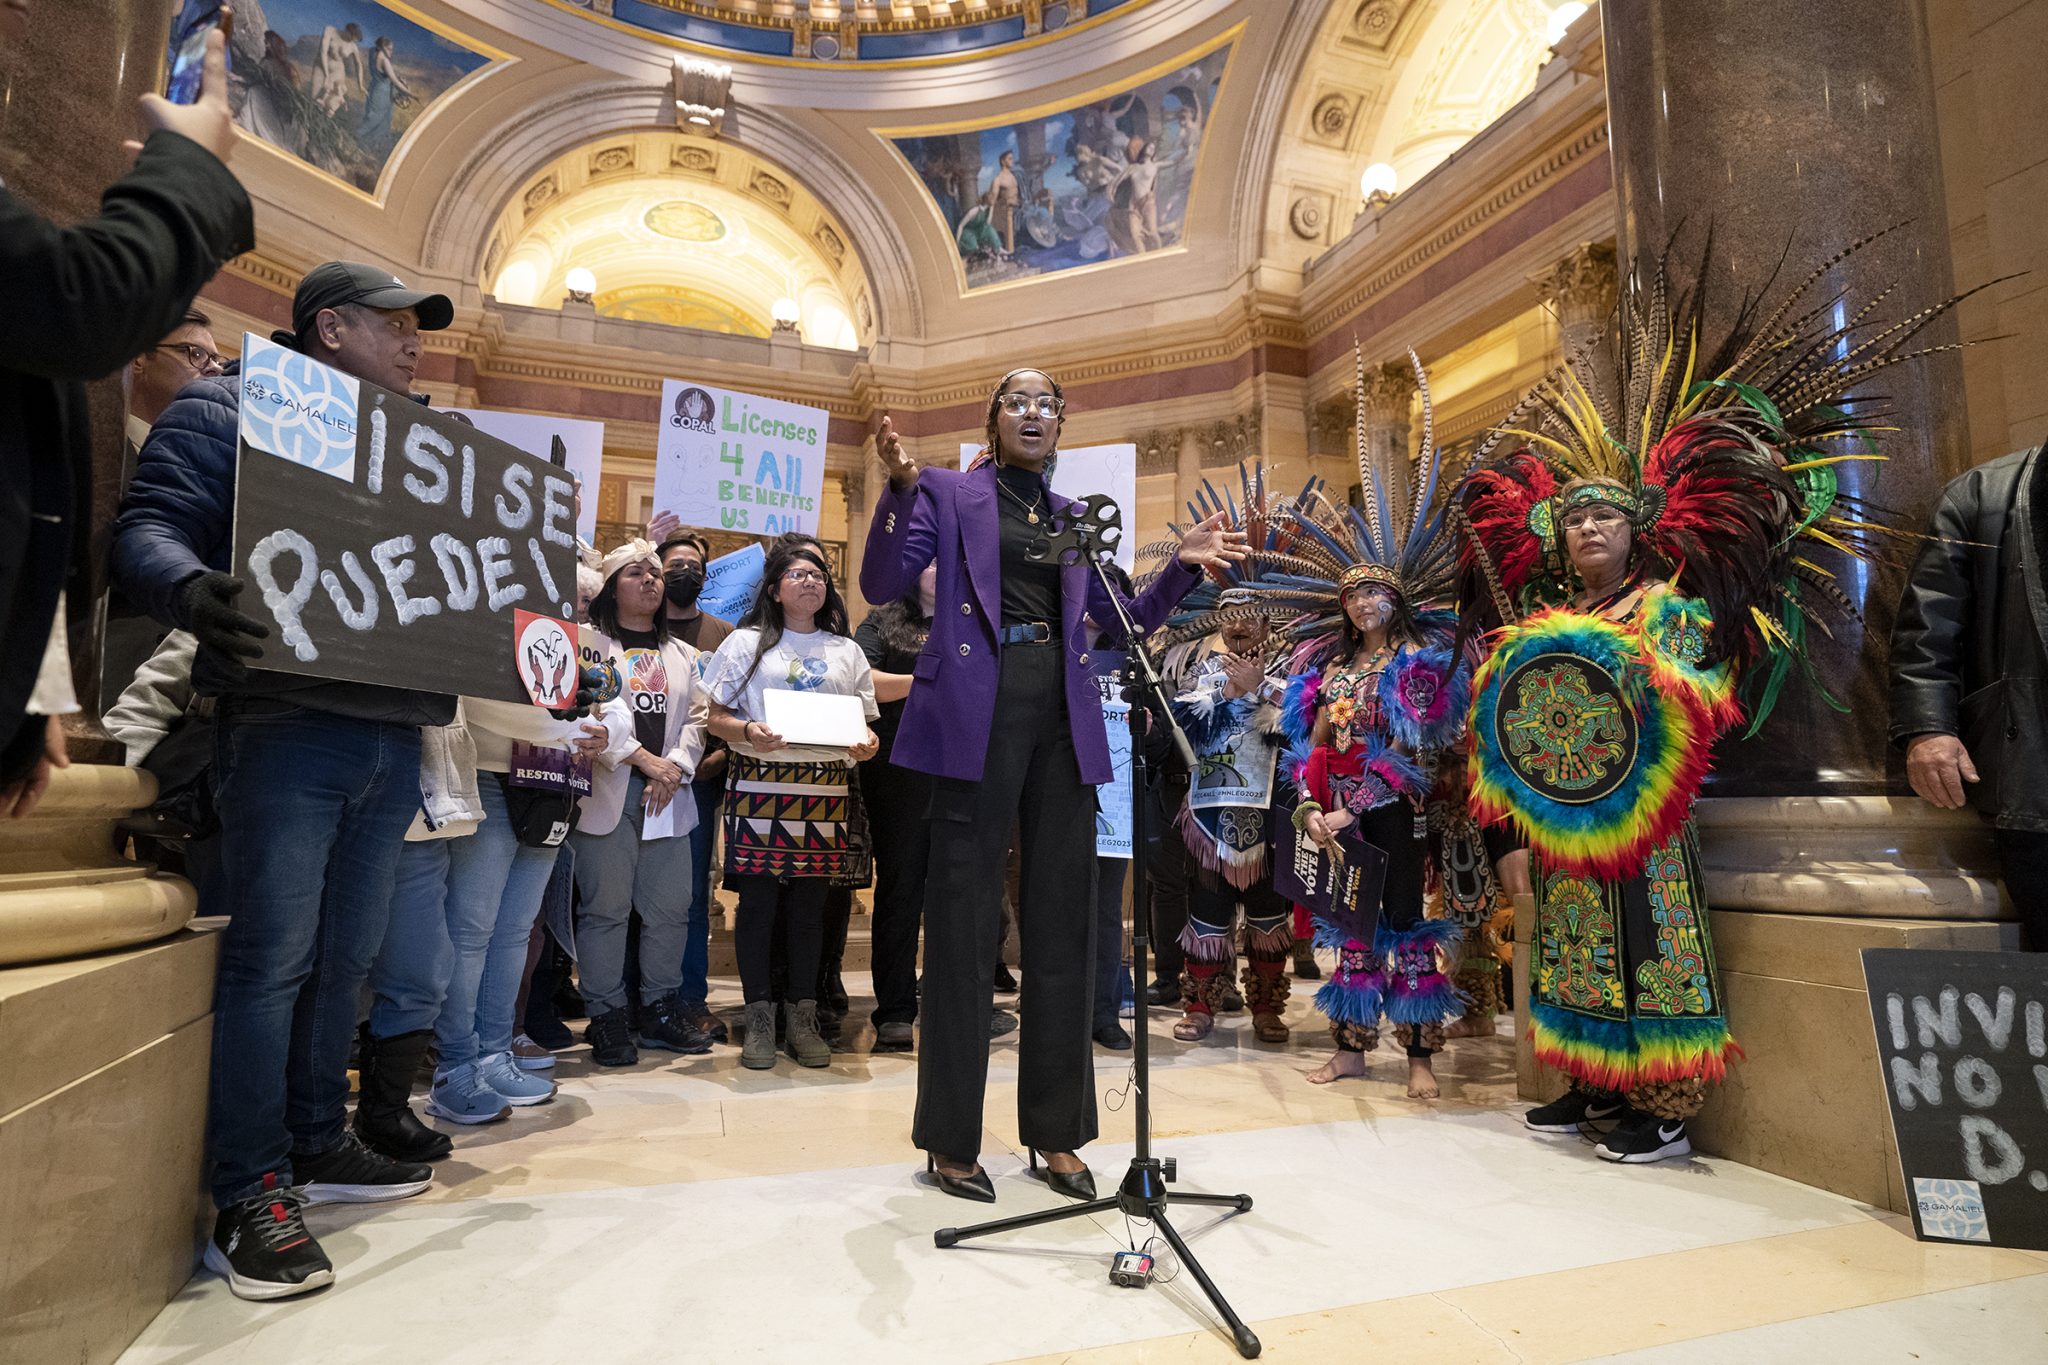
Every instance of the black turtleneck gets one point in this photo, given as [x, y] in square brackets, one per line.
[1031, 590]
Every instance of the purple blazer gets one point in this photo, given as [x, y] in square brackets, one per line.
[951, 518]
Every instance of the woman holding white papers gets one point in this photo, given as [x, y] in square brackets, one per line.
[632, 848]
[791, 692]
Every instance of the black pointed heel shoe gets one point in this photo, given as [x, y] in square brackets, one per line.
[1073, 1184]
[975, 1187]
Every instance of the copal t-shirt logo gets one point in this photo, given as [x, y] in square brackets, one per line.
[646, 682]
[297, 409]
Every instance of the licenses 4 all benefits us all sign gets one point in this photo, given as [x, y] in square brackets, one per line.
[739, 461]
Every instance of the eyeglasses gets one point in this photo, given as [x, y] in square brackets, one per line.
[197, 356]
[1017, 404]
[1598, 513]
[804, 576]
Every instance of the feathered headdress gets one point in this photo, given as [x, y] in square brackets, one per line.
[1724, 462]
[1397, 537]
[1261, 586]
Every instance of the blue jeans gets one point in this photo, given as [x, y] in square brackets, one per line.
[710, 798]
[456, 948]
[313, 810]
[617, 874]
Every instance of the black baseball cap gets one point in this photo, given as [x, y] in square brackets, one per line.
[339, 282]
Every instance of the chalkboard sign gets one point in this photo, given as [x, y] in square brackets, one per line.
[1963, 1041]
[385, 542]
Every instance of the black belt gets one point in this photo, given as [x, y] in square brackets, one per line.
[1025, 633]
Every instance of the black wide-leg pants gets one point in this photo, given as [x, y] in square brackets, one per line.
[1032, 778]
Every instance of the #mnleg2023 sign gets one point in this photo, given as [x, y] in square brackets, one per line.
[737, 461]
[388, 543]
[582, 445]
[1111, 469]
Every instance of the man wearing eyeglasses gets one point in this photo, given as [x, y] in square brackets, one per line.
[155, 376]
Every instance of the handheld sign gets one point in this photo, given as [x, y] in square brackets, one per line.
[1342, 892]
[580, 444]
[738, 461]
[731, 582]
[388, 543]
[1963, 1042]
[1113, 832]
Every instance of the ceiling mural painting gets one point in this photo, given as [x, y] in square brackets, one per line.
[901, 31]
[337, 84]
[1101, 179]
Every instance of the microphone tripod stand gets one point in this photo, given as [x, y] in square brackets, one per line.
[1143, 1194]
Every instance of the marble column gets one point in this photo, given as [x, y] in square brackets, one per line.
[1192, 441]
[68, 96]
[855, 484]
[1810, 126]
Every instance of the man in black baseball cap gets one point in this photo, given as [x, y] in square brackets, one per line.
[363, 319]
[320, 781]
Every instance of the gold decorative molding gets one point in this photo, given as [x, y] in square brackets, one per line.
[1388, 395]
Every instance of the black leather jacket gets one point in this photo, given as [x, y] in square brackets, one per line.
[1967, 656]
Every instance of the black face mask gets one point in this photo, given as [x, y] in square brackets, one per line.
[683, 583]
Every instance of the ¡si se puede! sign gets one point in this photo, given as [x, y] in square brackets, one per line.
[738, 462]
[388, 543]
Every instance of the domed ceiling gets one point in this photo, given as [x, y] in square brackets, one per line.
[851, 30]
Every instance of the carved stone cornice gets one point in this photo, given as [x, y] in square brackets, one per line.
[1159, 451]
[1231, 439]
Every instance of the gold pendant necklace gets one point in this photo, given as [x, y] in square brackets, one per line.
[1030, 508]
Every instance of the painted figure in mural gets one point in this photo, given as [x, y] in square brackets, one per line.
[1134, 215]
[1004, 195]
[338, 54]
[387, 87]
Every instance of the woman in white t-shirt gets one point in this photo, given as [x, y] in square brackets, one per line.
[787, 806]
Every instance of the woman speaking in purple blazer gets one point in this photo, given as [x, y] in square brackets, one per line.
[1006, 718]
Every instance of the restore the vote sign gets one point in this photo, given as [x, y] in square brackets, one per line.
[737, 461]
[1963, 1040]
[387, 543]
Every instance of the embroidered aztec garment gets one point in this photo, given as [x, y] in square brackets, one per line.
[1593, 736]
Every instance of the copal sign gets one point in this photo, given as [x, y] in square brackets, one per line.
[388, 543]
[737, 461]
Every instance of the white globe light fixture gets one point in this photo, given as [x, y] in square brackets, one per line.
[582, 285]
[1378, 184]
[1562, 18]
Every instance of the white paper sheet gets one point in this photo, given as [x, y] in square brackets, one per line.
[833, 720]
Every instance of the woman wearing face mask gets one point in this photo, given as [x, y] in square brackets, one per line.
[632, 848]
[1007, 720]
[788, 807]
[684, 556]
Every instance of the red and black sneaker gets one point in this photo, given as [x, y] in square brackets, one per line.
[262, 1249]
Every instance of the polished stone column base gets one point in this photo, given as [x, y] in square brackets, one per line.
[1887, 857]
[65, 888]
[102, 1131]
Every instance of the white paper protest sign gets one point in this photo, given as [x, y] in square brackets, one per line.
[738, 461]
[536, 434]
[1110, 469]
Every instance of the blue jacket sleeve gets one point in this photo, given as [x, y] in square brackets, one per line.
[902, 539]
[177, 517]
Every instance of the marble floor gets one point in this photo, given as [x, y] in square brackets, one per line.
[689, 1210]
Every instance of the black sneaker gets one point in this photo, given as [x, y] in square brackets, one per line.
[1574, 1110]
[1006, 980]
[1161, 993]
[704, 1021]
[262, 1249]
[350, 1173]
[663, 1026]
[611, 1040]
[550, 1032]
[1641, 1138]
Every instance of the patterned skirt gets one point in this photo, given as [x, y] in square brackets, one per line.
[1624, 990]
[788, 819]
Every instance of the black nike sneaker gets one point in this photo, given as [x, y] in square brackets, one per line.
[1641, 1138]
[262, 1249]
[1573, 1110]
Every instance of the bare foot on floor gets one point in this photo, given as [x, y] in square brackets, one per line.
[1340, 1065]
[1421, 1079]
